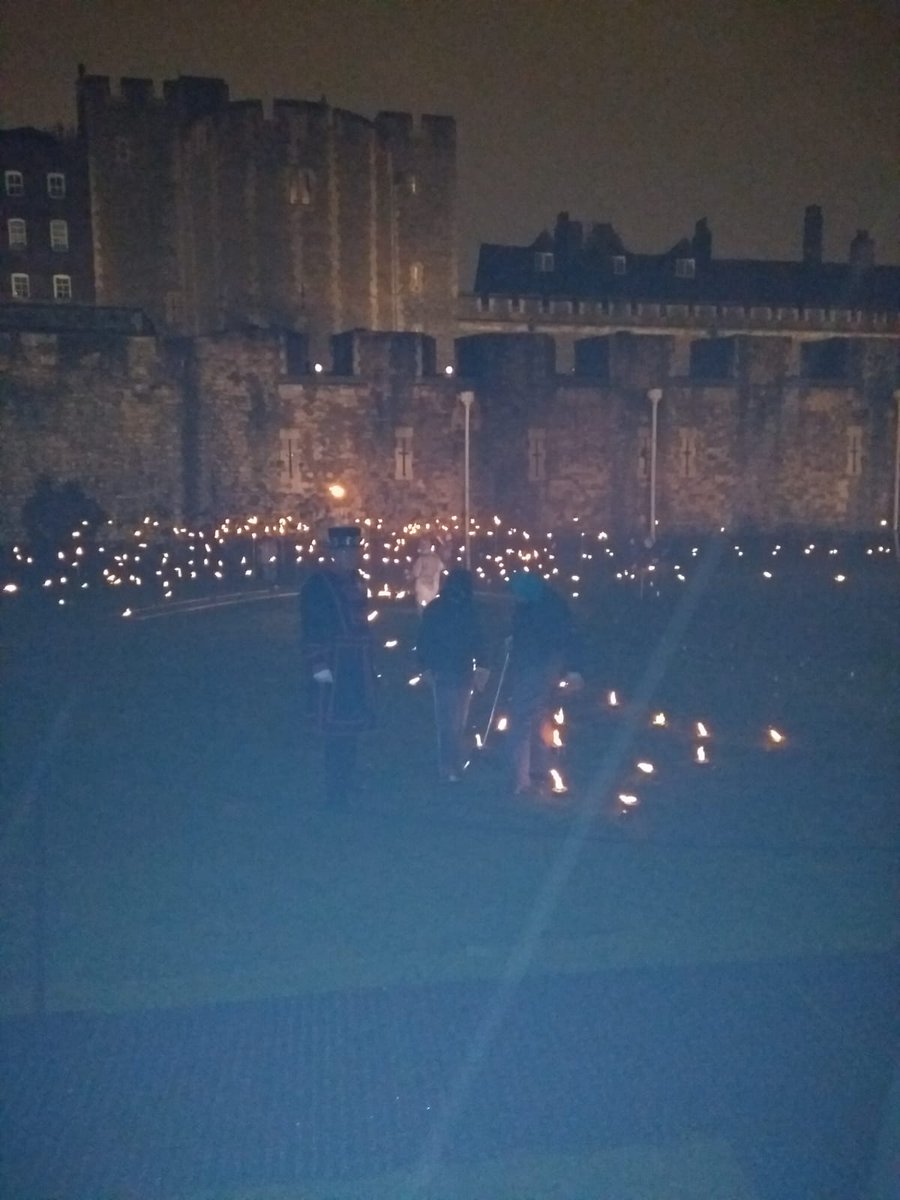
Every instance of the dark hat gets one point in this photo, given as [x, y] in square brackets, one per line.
[344, 535]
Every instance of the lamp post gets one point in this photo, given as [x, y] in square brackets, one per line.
[654, 396]
[467, 398]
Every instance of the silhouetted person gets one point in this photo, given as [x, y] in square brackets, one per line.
[543, 650]
[449, 643]
[337, 660]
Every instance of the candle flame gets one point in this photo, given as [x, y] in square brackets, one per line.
[646, 767]
[613, 700]
[628, 799]
[775, 736]
[659, 719]
[502, 724]
[559, 717]
[702, 731]
[558, 783]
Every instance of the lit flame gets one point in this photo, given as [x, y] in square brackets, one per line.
[337, 490]
[700, 755]
[390, 644]
[628, 799]
[559, 717]
[702, 731]
[659, 719]
[775, 737]
[373, 615]
[415, 679]
[613, 700]
[478, 742]
[502, 724]
[558, 784]
[646, 767]
[557, 740]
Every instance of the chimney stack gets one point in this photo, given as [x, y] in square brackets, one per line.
[812, 235]
[862, 253]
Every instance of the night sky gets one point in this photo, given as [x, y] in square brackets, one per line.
[646, 113]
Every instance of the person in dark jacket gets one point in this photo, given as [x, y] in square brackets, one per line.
[449, 645]
[543, 650]
[337, 660]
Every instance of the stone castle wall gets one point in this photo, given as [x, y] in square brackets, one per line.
[230, 424]
[211, 215]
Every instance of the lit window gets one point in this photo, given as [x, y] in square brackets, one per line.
[59, 235]
[416, 277]
[544, 261]
[56, 185]
[17, 231]
[122, 146]
[537, 455]
[619, 264]
[290, 460]
[62, 287]
[15, 183]
[687, 453]
[301, 189]
[20, 286]
[854, 450]
[403, 458]
[685, 268]
[643, 459]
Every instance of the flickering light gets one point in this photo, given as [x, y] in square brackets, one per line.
[700, 755]
[373, 615]
[775, 737]
[659, 719]
[337, 490]
[645, 767]
[448, 370]
[558, 785]
[415, 679]
[840, 578]
[702, 731]
[502, 724]
[478, 742]
[613, 700]
[559, 716]
[126, 612]
[9, 588]
[318, 368]
[556, 739]
[391, 644]
[628, 799]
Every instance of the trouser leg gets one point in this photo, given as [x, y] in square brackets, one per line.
[451, 707]
[530, 699]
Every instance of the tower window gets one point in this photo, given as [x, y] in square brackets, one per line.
[62, 287]
[59, 235]
[56, 185]
[15, 183]
[17, 233]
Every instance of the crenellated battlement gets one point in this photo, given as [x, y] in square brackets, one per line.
[423, 129]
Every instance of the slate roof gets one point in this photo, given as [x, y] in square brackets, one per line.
[512, 271]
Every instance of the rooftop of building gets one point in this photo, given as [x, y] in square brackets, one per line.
[568, 264]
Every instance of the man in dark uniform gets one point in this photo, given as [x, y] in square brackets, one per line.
[337, 659]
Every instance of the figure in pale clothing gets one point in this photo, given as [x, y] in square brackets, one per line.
[426, 573]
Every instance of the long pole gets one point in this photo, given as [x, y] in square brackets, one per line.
[896, 522]
[467, 398]
[654, 395]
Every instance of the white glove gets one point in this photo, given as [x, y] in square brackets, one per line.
[323, 676]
